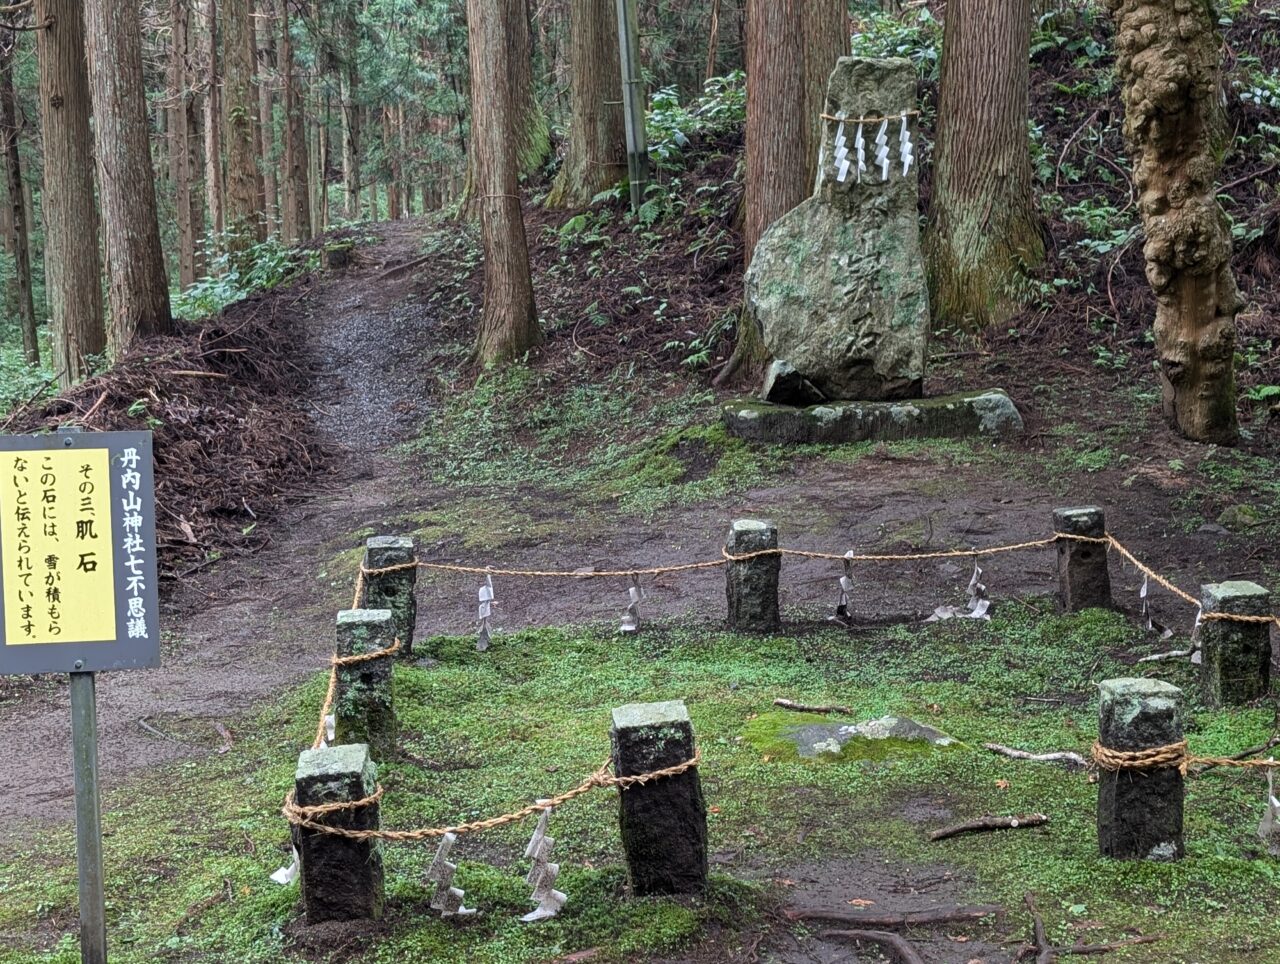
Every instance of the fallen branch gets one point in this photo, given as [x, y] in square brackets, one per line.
[1046, 953]
[1044, 950]
[902, 949]
[983, 824]
[1172, 654]
[402, 268]
[804, 708]
[911, 918]
[195, 374]
[1062, 756]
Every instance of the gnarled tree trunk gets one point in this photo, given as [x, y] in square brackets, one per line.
[1168, 63]
[983, 229]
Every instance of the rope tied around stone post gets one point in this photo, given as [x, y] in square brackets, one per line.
[310, 817]
[1167, 756]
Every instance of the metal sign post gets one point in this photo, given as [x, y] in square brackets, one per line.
[84, 755]
[78, 595]
[633, 100]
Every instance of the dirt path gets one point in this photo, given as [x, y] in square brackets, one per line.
[241, 634]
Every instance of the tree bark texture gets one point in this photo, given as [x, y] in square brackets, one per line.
[349, 91]
[17, 201]
[596, 153]
[214, 182]
[509, 319]
[826, 40]
[295, 198]
[530, 134]
[983, 231]
[244, 215]
[73, 262]
[138, 289]
[184, 147]
[266, 58]
[1168, 64]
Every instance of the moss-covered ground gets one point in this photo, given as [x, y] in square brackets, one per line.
[189, 848]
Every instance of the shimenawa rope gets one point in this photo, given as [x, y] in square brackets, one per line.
[1169, 755]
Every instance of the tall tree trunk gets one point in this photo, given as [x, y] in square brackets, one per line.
[73, 263]
[349, 93]
[244, 220]
[713, 41]
[214, 182]
[530, 134]
[17, 200]
[265, 21]
[393, 164]
[777, 166]
[826, 40]
[184, 149]
[1169, 64]
[322, 182]
[596, 153]
[296, 196]
[139, 288]
[984, 231]
[509, 319]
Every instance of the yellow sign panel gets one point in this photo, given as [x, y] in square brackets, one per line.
[58, 567]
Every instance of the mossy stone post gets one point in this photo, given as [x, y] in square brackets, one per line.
[663, 822]
[752, 585]
[342, 879]
[364, 706]
[1140, 811]
[1235, 658]
[1083, 579]
[393, 590]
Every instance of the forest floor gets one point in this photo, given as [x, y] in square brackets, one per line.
[559, 466]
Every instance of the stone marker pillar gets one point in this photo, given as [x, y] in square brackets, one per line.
[1235, 658]
[752, 586]
[664, 822]
[342, 879]
[1083, 579]
[1140, 811]
[393, 590]
[363, 706]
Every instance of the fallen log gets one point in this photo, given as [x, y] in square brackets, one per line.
[911, 918]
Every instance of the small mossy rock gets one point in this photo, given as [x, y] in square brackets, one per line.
[837, 284]
[1236, 518]
[989, 414]
[812, 737]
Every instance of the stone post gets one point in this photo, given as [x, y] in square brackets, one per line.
[664, 822]
[363, 705]
[342, 879]
[752, 586]
[393, 590]
[1083, 580]
[1235, 658]
[1140, 811]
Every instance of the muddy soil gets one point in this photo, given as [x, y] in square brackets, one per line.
[242, 632]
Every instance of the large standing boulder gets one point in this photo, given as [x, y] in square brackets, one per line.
[837, 285]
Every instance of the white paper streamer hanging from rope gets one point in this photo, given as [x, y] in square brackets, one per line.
[447, 899]
[635, 596]
[905, 150]
[844, 608]
[1269, 828]
[287, 875]
[978, 607]
[542, 875]
[484, 612]
[882, 150]
[1149, 624]
[842, 152]
[860, 149]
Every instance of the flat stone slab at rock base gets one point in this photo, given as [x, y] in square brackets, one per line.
[988, 414]
[813, 737]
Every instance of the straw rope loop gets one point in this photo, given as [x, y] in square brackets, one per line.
[1167, 756]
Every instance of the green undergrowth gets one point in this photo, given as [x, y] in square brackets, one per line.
[189, 847]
